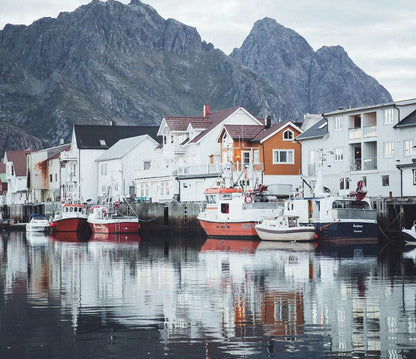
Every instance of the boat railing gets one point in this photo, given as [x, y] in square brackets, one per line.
[352, 213]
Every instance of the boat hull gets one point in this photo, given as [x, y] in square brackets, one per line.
[124, 225]
[70, 225]
[344, 229]
[229, 229]
[287, 235]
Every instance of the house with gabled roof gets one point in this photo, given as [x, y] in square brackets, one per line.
[3, 184]
[266, 154]
[44, 171]
[190, 154]
[16, 176]
[373, 144]
[118, 166]
[88, 142]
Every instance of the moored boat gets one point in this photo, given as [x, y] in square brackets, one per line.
[409, 235]
[233, 212]
[73, 218]
[37, 223]
[284, 228]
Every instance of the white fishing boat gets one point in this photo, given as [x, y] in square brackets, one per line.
[409, 235]
[38, 223]
[284, 228]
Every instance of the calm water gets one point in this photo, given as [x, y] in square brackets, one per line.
[159, 297]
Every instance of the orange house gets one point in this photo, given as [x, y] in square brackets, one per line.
[268, 150]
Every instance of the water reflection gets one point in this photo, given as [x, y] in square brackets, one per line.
[156, 296]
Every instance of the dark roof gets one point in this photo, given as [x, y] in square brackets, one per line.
[19, 161]
[319, 129]
[268, 131]
[244, 132]
[215, 118]
[409, 120]
[89, 136]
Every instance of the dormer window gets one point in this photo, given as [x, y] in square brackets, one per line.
[288, 135]
[102, 143]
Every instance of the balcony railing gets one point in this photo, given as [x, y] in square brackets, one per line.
[354, 133]
[370, 131]
[350, 213]
[356, 165]
[68, 156]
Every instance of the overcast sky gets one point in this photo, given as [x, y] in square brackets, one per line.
[378, 35]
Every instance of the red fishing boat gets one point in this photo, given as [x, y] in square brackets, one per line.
[72, 218]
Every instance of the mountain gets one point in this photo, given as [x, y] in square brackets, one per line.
[110, 61]
[309, 81]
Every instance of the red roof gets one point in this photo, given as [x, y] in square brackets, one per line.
[176, 123]
[19, 161]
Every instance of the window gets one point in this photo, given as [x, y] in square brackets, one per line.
[364, 181]
[50, 178]
[408, 147]
[56, 177]
[144, 190]
[388, 116]
[344, 183]
[256, 155]
[388, 149]
[146, 165]
[311, 163]
[287, 135]
[104, 169]
[338, 154]
[414, 177]
[385, 180]
[283, 156]
[338, 123]
[102, 143]
[164, 188]
[245, 158]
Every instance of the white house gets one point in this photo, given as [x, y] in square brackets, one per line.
[16, 176]
[44, 172]
[190, 155]
[366, 143]
[117, 167]
[87, 144]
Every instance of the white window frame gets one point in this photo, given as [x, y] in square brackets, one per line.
[388, 116]
[414, 177]
[290, 137]
[408, 147]
[338, 123]
[256, 157]
[338, 154]
[245, 155]
[385, 180]
[276, 156]
[147, 165]
[388, 149]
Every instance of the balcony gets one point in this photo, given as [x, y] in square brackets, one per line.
[179, 150]
[370, 131]
[354, 133]
[68, 156]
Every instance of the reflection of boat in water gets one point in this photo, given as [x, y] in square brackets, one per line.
[115, 238]
[287, 246]
[69, 237]
[234, 245]
[284, 228]
[409, 235]
[37, 238]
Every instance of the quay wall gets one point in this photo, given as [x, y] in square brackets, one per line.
[393, 213]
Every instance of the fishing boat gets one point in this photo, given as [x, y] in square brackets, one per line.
[284, 228]
[409, 235]
[37, 223]
[233, 211]
[336, 217]
[72, 218]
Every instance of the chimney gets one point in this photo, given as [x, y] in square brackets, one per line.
[206, 110]
[267, 122]
[61, 141]
[112, 123]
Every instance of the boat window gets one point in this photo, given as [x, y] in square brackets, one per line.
[211, 199]
[225, 208]
[66, 209]
[292, 222]
[70, 209]
[337, 204]
[226, 196]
